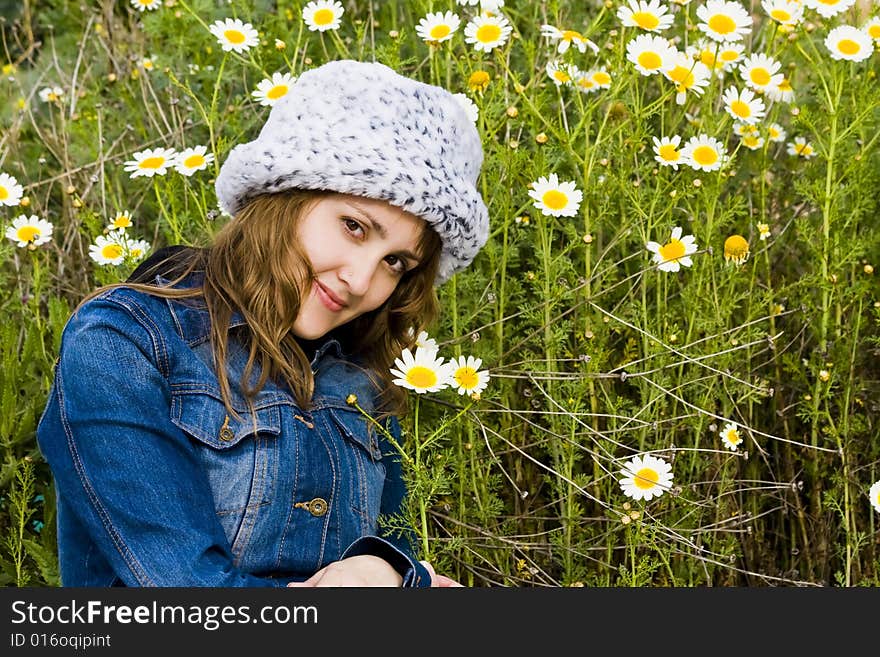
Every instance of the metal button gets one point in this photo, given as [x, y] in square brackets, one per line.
[318, 507]
[226, 434]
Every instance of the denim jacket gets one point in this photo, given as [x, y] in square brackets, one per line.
[158, 486]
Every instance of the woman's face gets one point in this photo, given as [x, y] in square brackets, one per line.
[359, 249]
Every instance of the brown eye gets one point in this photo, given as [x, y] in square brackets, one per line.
[351, 225]
[397, 264]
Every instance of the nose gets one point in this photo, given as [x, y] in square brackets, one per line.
[357, 276]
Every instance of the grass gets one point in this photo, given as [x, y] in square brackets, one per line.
[596, 356]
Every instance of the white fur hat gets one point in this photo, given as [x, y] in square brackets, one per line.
[361, 128]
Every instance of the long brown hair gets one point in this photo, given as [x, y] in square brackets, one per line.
[256, 266]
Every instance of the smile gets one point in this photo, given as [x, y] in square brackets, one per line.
[330, 300]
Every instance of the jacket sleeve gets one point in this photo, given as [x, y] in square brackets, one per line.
[391, 545]
[130, 475]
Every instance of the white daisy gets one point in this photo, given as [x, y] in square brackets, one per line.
[270, 90]
[568, 37]
[753, 141]
[151, 162]
[650, 54]
[438, 27]
[645, 477]
[688, 76]
[784, 12]
[741, 129]
[724, 21]
[583, 81]
[142, 5]
[51, 94]
[560, 73]
[763, 231]
[829, 8]
[489, 7]
[323, 15]
[730, 436]
[487, 32]
[648, 15]
[780, 93]
[874, 495]
[121, 221]
[467, 376]
[676, 253]
[743, 105]
[29, 231]
[872, 27]
[729, 53]
[190, 160]
[109, 250]
[666, 151]
[849, 43]
[10, 191]
[469, 106]
[423, 341]
[760, 72]
[233, 35]
[704, 153]
[422, 372]
[600, 77]
[776, 132]
[554, 198]
[137, 249]
[801, 147]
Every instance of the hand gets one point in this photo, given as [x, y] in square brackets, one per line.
[363, 570]
[439, 581]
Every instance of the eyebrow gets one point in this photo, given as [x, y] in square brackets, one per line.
[382, 231]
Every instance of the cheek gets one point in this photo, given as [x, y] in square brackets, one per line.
[379, 293]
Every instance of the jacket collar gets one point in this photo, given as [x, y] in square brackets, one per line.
[194, 325]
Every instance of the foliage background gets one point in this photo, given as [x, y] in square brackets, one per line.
[595, 355]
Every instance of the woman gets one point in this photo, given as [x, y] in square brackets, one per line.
[204, 425]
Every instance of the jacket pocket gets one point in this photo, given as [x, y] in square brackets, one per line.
[239, 456]
[365, 468]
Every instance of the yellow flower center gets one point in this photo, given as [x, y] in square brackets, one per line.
[683, 76]
[466, 377]
[669, 153]
[478, 80]
[439, 31]
[830, 3]
[277, 92]
[781, 15]
[111, 251]
[705, 155]
[722, 24]
[145, 3]
[571, 35]
[785, 85]
[646, 478]
[874, 31]
[194, 160]
[772, 132]
[586, 83]
[804, 149]
[848, 47]
[136, 252]
[420, 376]
[4, 193]
[741, 109]
[752, 141]
[601, 77]
[645, 20]
[554, 199]
[672, 251]
[732, 436]
[728, 56]
[488, 33]
[650, 60]
[323, 17]
[151, 163]
[121, 222]
[707, 57]
[234, 36]
[760, 76]
[28, 233]
[562, 76]
[736, 248]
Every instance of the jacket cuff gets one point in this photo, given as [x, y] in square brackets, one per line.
[414, 574]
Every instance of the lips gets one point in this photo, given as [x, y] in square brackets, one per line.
[330, 300]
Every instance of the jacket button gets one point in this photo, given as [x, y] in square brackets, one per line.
[317, 507]
[226, 434]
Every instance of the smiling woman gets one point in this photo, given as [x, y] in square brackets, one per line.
[222, 451]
